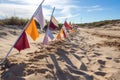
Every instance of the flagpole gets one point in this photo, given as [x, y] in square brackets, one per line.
[21, 33]
[51, 16]
[49, 23]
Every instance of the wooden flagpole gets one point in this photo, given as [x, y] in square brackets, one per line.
[21, 34]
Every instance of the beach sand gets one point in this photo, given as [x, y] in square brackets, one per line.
[87, 54]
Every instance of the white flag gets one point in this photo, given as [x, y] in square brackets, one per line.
[39, 17]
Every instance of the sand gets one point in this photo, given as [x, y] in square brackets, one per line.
[87, 54]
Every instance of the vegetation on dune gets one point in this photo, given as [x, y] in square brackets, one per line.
[13, 21]
[21, 22]
[100, 23]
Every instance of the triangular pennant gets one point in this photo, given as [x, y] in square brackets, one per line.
[59, 36]
[64, 34]
[68, 27]
[32, 30]
[22, 42]
[55, 22]
[39, 17]
[52, 25]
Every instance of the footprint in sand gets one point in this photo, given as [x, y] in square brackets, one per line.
[99, 73]
[117, 60]
[41, 70]
[101, 62]
[41, 56]
[51, 66]
[108, 58]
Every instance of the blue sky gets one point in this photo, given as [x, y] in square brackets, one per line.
[76, 11]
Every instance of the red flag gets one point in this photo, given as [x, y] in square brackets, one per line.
[52, 25]
[22, 42]
[68, 27]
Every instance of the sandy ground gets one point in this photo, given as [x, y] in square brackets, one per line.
[88, 54]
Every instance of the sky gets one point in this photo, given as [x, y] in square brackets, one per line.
[76, 11]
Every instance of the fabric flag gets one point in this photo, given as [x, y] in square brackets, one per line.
[39, 17]
[49, 33]
[32, 30]
[68, 27]
[64, 31]
[59, 36]
[72, 31]
[61, 33]
[22, 42]
[65, 36]
[45, 41]
[53, 23]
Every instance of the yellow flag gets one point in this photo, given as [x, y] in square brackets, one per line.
[32, 30]
[72, 31]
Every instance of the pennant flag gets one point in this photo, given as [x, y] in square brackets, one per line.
[22, 42]
[49, 33]
[45, 41]
[64, 34]
[61, 33]
[68, 27]
[39, 17]
[32, 30]
[59, 36]
[53, 23]
[64, 31]
[72, 31]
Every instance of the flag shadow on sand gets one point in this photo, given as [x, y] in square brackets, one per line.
[71, 67]
[61, 74]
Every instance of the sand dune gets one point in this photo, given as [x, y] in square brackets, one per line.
[87, 54]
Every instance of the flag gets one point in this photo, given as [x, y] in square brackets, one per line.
[68, 27]
[45, 41]
[59, 36]
[39, 17]
[61, 32]
[72, 31]
[32, 30]
[22, 42]
[49, 33]
[53, 23]
[64, 34]
[64, 31]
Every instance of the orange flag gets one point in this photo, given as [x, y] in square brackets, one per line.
[22, 42]
[61, 32]
[59, 36]
[32, 30]
[72, 31]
